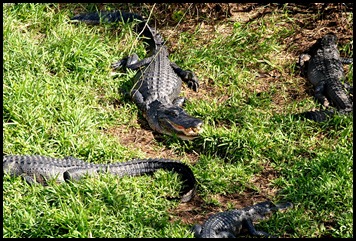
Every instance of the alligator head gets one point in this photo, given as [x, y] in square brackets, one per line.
[173, 120]
[260, 210]
[329, 40]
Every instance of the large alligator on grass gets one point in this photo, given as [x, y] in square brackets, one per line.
[41, 169]
[158, 81]
[324, 69]
[229, 224]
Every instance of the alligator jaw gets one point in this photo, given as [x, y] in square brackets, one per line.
[186, 133]
[173, 120]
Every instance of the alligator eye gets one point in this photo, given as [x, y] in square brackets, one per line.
[173, 113]
[176, 113]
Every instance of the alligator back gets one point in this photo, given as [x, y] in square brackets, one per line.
[158, 81]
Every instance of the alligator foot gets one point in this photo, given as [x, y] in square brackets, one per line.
[191, 80]
[187, 76]
[128, 62]
[119, 64]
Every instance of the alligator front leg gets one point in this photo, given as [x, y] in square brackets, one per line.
[225, 234]
[196, 229]
[187, 76]
[252, 230]
[179, 101]
[15, 169]
[319, 94]
[138, 99]
[303, 63]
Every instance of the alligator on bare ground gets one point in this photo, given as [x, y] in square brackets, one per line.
[41, 169]
[324, 69]
[158, 80]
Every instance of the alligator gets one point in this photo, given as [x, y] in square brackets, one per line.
[42, 169]
[158, 81]
[230, 223]
[324, 69]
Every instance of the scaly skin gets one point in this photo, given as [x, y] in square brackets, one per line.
[229, 224]
[325, 72]
[158, 80]
[41, 169]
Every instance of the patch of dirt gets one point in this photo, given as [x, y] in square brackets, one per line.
[147, 142]
[196, 211]
[206, 92]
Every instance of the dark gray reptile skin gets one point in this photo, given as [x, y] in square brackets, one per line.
[230, 223]
[158, 80]
[40, 169]
[324, 69]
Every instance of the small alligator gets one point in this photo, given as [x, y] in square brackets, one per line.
[324, 70]
[229, 224]
[158, 81]
[41, 169]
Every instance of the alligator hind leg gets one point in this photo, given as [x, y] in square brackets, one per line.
[196, 229]
[187, 76]
[303, 60]
[133, 59]
[30, 180]
[138, 99]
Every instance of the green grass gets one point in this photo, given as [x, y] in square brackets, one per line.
[59, 96]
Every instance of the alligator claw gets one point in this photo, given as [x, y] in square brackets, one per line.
[191, 80]
[119, 64]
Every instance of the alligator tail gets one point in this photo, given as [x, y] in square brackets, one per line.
[152, 37]
[141, 167]
[317, 116]
[109, 17]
